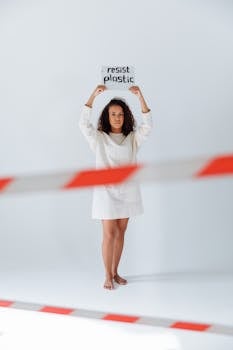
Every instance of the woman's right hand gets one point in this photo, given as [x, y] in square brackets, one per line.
[99, 89]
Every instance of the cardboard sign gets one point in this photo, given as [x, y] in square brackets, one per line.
[118, 77]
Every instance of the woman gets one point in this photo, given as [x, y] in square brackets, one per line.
[115, 142]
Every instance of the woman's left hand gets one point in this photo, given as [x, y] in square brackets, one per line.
[136, 90]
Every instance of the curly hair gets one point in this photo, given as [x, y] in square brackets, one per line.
[129, 121]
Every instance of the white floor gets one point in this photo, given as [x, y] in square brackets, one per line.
[201, 298]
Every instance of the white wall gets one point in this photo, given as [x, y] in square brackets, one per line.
[50, 61]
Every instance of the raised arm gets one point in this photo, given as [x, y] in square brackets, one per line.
[98, 90]
[86, 127]
[145, 127]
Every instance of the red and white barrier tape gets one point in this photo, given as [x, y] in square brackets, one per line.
[101, 315]
[196, 168]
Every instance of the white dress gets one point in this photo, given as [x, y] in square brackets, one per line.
[115, 201]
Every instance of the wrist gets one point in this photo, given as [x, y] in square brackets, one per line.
[146, 110]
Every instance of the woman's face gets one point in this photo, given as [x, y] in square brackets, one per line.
[116, 118]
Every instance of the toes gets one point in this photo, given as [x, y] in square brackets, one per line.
[120, 280]
[108, 285]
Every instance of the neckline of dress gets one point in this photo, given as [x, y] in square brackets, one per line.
[116, 133]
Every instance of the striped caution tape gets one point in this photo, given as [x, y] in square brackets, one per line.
[143, 320]
[196, 168]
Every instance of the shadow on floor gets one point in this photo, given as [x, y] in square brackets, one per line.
[180, 276]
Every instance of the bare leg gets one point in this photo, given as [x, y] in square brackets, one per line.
[118, 248]
[109, 232]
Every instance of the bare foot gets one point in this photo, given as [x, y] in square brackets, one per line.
[119, 279]
[108, 284]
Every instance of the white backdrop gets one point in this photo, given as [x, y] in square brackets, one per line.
[50, 61]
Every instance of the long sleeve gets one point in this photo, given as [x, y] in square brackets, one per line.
[87, 128]
[143, 130]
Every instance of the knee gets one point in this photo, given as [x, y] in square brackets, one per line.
[109, 235]
[120, 233]
[122, 226]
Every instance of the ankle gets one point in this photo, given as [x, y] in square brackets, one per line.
[108, 276]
